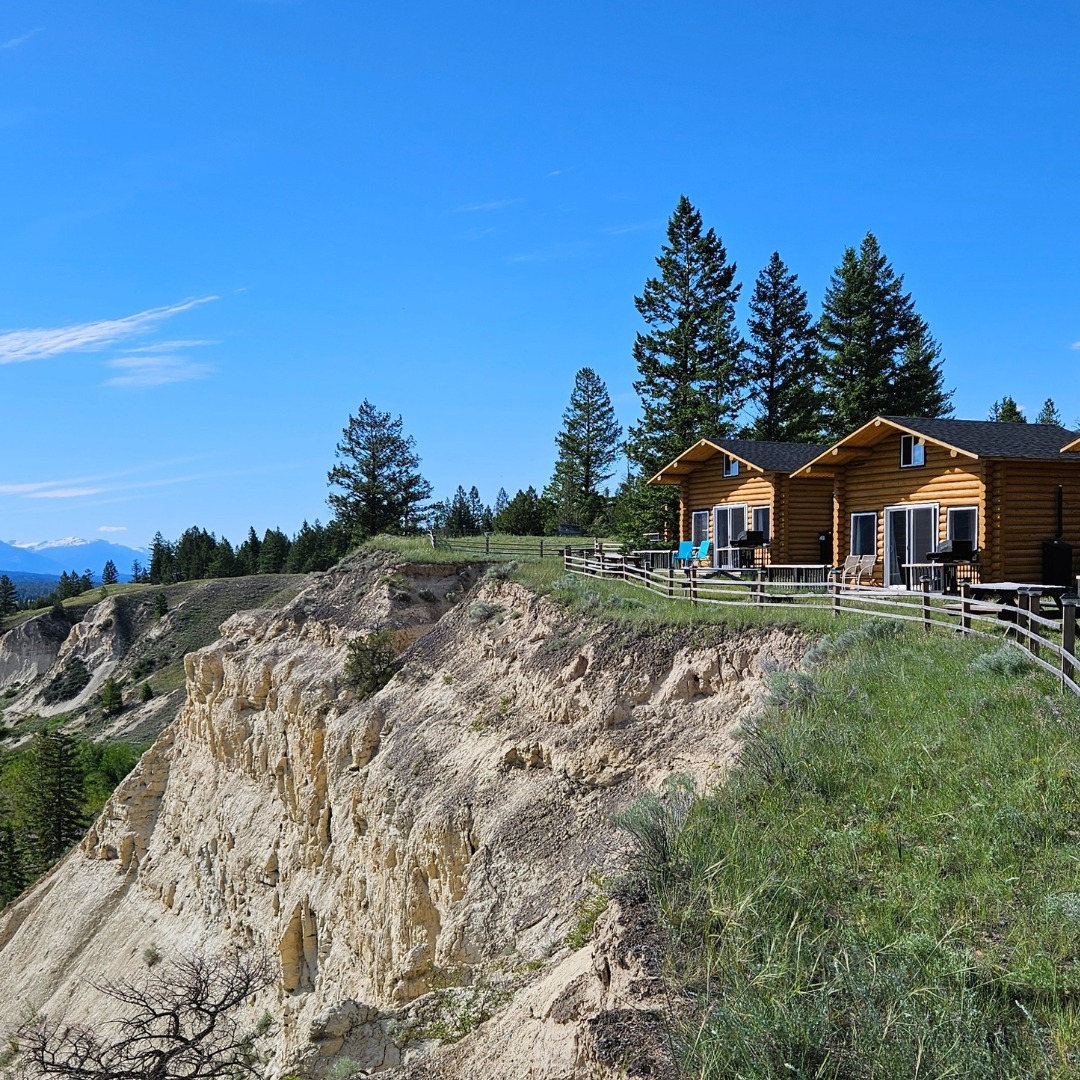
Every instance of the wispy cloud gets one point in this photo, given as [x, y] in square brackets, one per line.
[476, 234]
[154, 369]
[636, 226]
[548, 254]
[15, 42]
[64, 493]
[112, 528]
[19, 346]
[560, 172]
[1075, 345]
[498, 204]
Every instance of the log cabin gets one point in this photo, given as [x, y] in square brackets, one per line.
[727, 486]
[903, 486]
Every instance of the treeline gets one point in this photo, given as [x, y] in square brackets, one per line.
[199, 554]
[49, 792]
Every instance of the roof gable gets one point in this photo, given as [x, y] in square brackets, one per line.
[757, 456]
[974, 439]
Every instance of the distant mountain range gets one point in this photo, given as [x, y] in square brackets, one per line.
[49, 558]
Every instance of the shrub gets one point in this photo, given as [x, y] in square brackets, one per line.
[69, 681]
[369, 663]
[482, 612]
[145, 692]
[1005, 660]
[500, 571]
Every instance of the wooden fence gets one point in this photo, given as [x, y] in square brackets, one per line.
[523, 547]
[1049, 642]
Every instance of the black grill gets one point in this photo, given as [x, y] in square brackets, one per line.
[749, 538]
[951, 551]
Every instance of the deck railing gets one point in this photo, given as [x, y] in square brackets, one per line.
[1049, 642]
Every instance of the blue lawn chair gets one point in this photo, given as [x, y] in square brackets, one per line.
[702, 553]
[684, 554]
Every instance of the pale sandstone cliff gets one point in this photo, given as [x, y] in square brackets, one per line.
[441, 831]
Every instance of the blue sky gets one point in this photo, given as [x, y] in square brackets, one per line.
[227, 222]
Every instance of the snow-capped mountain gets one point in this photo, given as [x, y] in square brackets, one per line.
[70, 553]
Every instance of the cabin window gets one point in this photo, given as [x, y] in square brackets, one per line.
[761, 522]
[699, 526]
[912, 452]
[731, 466]
[963, 524]
[863, 534]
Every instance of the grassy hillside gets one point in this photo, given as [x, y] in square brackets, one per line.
[889, 882]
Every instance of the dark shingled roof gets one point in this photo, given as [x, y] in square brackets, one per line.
[993, 438]
[773, 456]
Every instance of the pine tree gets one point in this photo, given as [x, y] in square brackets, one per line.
[53, 799]
[1006, 411]
[9, 598]
[524, 515]
[502, 500]
[588, 446]
[109, 576]
[690, 360]
[1049, 414]
[161, 560]
[13, 875]
[274, 552]
[878, 355]
[247, 554]
[112, 697]
[376, 485]
[783, 360]
[161, 605]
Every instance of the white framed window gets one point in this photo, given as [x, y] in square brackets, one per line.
[963, 524]
[863, 534]
[729, 522]
[912, 452]
[731, 465]
[762, 517]
[699, 526]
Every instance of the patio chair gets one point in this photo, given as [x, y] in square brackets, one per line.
[865, 567]
[849, 569]
[702, 553]
[684, 555]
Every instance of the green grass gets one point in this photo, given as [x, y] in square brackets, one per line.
[888, 884]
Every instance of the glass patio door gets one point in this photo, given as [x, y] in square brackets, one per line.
[728, 523]
[910, 533]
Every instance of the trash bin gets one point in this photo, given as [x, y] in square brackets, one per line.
[825, 552]
[1057, 563]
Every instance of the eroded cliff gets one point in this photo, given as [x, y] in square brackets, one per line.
[439, 834]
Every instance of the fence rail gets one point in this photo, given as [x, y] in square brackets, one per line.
[515, 546]
[1022, 624]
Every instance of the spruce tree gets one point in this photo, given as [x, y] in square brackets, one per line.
[109, 575]
[9, 598]
[783, 360]
[376, 484]
[112, 698]
[54, 799]
[918, 386]
[1006, 411]
[690, 358]
[877, 353]
[588, 446]
[1049, 414]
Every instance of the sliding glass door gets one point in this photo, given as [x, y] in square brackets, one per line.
[910, 534]
[729, 522]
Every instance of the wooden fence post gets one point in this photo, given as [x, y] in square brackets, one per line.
[759, 586]
[487, 543]
[1068, 637]
[671, 581]
[965, 607]
[1034, 610]
[541, 547]
[834, 586]
[924, 584]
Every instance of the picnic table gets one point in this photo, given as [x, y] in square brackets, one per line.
[1008, 592]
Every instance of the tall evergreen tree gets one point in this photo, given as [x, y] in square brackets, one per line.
[376, 485]
[690, 359]
[1006, 411]
[109, 575]
[1049, 414]
[918, 384]
[54, 799]
[588, 445]
[274, 552]
[783, 360]
[878, 356]
[9, 598]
